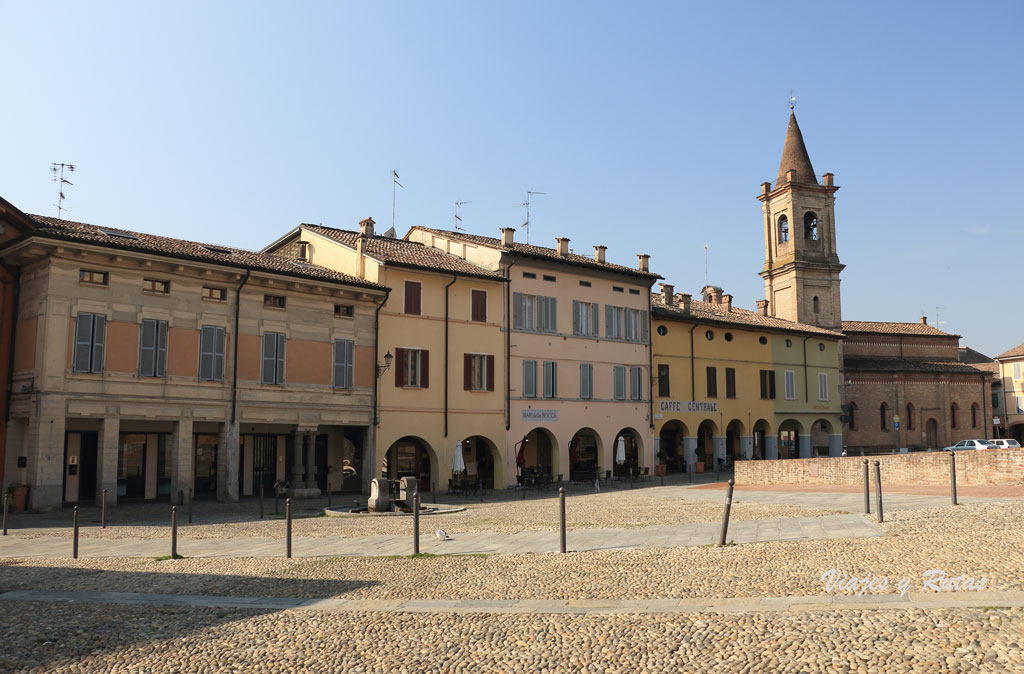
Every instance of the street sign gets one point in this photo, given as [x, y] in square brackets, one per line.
[995, 421]
[896, 425]
[896, 418]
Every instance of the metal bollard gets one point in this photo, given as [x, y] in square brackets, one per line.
[630, 478]
[878, 488]
[867, 489]
[174, 532]
[725, 515]
[190, 505]
[690, 473]
[561, 519]
[328, 493]
[74, 547]
[5, 514]
[524, 490]
[103, 511]
[277, 499]
[416, 523]
[952, 476]
[261, 501]
[288, 527]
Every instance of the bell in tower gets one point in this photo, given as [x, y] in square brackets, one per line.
[801, 267]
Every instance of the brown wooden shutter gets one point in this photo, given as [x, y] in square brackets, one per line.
[467, 373]
[425, 368]
[399, 365]
[479, 305]
[490, 373]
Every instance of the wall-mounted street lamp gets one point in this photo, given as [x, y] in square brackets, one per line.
[381, 369]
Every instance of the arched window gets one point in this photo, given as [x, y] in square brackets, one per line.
[815, 303]
[810, 226]
[910, 416]
[883, 411]
[974, 415]
[954, 412]
[853, 416]
[783, 229]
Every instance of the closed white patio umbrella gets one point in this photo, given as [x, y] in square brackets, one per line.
[620, 451]
[458, 465]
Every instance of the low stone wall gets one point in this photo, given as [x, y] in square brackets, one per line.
[992, 466]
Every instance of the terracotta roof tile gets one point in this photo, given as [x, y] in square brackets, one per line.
[123, 239]
[405, 253]
[854, 364]
[716, 313]
[889, 328]
[1015, 352]
[540, 252]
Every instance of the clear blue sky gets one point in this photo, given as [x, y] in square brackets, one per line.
[649, 125]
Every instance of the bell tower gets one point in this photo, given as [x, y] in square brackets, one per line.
[801, 267]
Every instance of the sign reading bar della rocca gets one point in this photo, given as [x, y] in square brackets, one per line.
[688, 406]
[540, 415]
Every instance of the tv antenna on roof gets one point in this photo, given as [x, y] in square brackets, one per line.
[706, 247]
[394, 194]
[937, 321]
[58, 177]
[458, 218]
[526, 225]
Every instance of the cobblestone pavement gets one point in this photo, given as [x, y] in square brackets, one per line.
[754, 607]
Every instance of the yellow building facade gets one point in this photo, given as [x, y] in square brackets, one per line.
[1011, 372]
[732, 384]
[440, 373]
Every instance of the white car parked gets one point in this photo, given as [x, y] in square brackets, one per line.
[969, 444]
[1005, 443]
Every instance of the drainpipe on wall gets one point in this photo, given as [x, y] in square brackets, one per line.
[508, 345]
[454, 279]
[650, 362]
[693, 380]
[234, 355]
[376, 356]
[807, 395]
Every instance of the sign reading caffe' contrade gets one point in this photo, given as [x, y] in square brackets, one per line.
[698, 406]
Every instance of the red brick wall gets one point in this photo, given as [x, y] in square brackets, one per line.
[992, 466]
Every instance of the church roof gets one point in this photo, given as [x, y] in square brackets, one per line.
[891, 328]
[1015, 352]
[795, 157]
[888, 365]
[709, 312]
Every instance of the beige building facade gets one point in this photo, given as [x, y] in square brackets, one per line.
[1011, 412]
[146, 367]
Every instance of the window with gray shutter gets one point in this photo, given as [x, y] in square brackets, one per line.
[152, 348]
[344, 366]
[635, 383]
[529, 379]
[586, 380]
[619, 383]
[550, 379]
[211, 353]
[644, 325]
[547, 314]
[90, 336]
[272, 371]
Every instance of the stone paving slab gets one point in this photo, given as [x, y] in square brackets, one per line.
[912, 600]
[683, 535]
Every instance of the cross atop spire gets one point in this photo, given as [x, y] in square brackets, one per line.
[794, 154]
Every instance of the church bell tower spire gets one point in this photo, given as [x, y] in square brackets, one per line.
[801, 268]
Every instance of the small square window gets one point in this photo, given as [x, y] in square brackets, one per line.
[529, 274]
[585, 284]
[548, 278]
[213, 293]
[89, 276]
[634, 291]
[344, 310]
[618, 289]
[275, 301]
[153, 285]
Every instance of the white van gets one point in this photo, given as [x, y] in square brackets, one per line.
[1005, 443]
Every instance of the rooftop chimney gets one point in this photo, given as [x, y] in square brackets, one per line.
[711, 294]
[599, 252]
[924, 320]
[727, 301]
[668, 294]
[830, 179]
[366, 227]
[562, 245]
[645, 262]
[684, 302]
[508, 236]
[762, 307]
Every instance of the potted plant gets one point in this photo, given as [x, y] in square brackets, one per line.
[700, 460]
[661, 468]
[18, 492]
